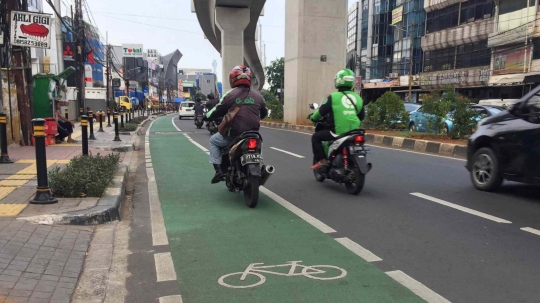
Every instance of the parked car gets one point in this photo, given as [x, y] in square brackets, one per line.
[186, 109]
[418, 120]
[411, 107]
[507, 146]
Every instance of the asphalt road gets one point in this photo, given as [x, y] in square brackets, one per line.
[463, 255]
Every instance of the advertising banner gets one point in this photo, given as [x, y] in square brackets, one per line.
[511, 62]
[132, 50]
[397, 15]
[31, 29]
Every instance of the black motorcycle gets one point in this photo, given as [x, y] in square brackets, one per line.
[199, 121]
[244, 167]
[346, 157]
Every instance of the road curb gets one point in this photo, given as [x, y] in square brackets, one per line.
[107, 209]
[444, 149]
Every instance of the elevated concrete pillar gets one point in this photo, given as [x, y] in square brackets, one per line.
[315, 50]
[231, 22]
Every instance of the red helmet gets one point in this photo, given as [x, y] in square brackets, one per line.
[240, 75]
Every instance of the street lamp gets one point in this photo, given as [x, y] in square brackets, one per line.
[410, 56]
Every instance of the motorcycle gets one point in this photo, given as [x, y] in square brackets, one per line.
[244, 167]
[346, 157]
[199, 121]
[212, 126]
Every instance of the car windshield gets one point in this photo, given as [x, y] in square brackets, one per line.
[494, 110]
[411, 107]
[188, 104]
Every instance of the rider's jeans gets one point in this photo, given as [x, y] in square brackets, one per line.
[217, 144]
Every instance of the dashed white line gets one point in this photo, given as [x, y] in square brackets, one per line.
[172, 120]
[287, 152]
[171, 299]
[462, 208]
[416, 287]
[531, 230]
[297, 211]
[358, 250]
[196, 144]
[164, 267]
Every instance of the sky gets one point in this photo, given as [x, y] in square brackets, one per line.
[167, 25]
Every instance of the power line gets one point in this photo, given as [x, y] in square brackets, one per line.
[173, 29]
[146, 16]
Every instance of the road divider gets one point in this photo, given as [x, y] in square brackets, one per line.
[287, 152]
[164, 267]
[416, 287]
[359, 250]
[462, 208]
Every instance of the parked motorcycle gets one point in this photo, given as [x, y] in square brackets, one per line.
[244, 167]
[346, 156]
[199, 121]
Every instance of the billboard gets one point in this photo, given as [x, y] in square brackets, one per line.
[397, 15]
[511, 62]
[132, 50]
[31, 29]
[180, 88]
[152, 55]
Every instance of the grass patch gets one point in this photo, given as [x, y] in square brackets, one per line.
[129, 127]
[138, 120]
[84, 176]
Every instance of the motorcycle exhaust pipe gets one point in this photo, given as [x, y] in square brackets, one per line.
[267, 171]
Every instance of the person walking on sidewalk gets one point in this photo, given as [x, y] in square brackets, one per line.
[65, 127]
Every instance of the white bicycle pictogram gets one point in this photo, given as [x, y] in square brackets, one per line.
[256, 269]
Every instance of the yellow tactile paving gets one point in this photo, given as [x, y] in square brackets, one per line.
[13, 182]
[20, 177]
[65, 161]
[4, 191]
[11, 210]
[26, 161]
[30, 170]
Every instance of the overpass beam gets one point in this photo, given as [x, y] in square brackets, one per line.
[231, 22]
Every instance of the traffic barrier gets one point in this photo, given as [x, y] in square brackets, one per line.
[4, 157]
[122, 119]
[91, 122]
[84, 131]
[101, 115]
[116, 133]
[108, 117]
[43, 191]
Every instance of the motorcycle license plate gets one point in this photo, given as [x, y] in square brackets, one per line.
[356, 149]
[251, 159]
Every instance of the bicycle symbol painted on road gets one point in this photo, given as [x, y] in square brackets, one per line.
[317, 272]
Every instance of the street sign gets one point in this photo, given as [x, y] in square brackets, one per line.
[30, 29]
[116, 82]
[133, 84]
[132, 50]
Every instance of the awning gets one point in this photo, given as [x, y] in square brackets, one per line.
[507, 79]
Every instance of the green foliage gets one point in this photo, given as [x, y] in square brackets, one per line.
[84, 176]
[200, 95]
[387, 112]
[464, 119]
[138, 120]
[437, 109]
[275, 73]
[129, 127]
[276, 109]
[268, 96]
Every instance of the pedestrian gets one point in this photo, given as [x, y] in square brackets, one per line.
[65, 127]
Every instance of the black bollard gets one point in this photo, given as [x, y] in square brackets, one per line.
[116, 134]
[91, 122]
[101, 115]
[108, 117]
[4, 157]
[81, 112]
[66, 113]
[122, 119]
[43, 191]
[131, 115]
[84, 131]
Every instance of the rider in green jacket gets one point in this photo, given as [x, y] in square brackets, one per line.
[344, 110]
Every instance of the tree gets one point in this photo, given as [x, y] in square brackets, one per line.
[275, 73]
[267, 95]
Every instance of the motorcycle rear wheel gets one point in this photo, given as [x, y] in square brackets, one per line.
[251, 191]
[359, 180]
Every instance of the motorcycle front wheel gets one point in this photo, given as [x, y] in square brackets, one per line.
[251, 191]
[356, 186]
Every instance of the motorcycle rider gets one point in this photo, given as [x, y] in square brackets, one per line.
[199, 109]
[252, 110]
[344, 110]
[211, 103]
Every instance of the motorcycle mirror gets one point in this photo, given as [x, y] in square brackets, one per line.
[314, 106]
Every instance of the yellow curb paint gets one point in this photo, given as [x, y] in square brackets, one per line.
[13, 182]
[11, 210]
[4, 191]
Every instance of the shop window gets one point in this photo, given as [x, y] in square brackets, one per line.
[474, 10]
[473, 54]
[442, 59]
[506, 7]
[442, 18]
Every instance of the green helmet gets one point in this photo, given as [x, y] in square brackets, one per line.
[344, 78]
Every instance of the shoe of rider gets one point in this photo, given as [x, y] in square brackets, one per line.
[252, 109]
[343, 110]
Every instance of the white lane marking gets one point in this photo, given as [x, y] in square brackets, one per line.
[377, 146]
[531, 230]
[171, 299]
[196, 144]
[297, 211]
[159, 233]
[289, 153]
[288, 205]
[462, 208]
[172, 120]
[164, 267]
[416, 287]
[359, 250]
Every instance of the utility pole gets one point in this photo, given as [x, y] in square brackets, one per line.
[126, 76]
[80, 36]
[108, 73]
[59, 44]
[411, 56]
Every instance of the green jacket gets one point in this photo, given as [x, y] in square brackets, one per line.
[343, 115]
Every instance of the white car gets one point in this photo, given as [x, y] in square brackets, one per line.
[187, 109]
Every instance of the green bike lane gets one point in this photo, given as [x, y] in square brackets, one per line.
[212, 233]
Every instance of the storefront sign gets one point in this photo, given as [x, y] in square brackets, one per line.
[511, 62]
[391, 83]
[132, 50]
[460, 78]
[46, 64]
[180, 89]
[152, 55]
[358, 82]
[30, 29]
[397, 15]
